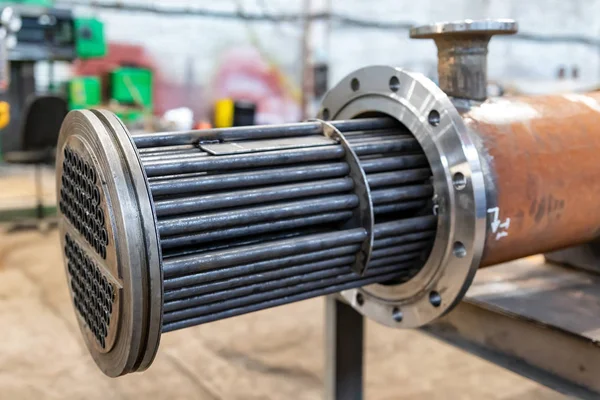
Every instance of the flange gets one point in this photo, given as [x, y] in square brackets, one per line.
[458, 182]
[108, 232]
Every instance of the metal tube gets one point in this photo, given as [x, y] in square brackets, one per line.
[334, 288]
[252, 160]
[395, 259]
[160, 150]
[255, 132]
[383, 196]
[311, 289]
[541, 169]
[406, 238]
[251, 196]
[334, 268]
[280, 248]
[248, 179]
[178, 287]
[223, 219]
[266, 276]
[396, 228]
[254, 229]
[385, 164]
[172, 156]
[399, 207]
[386, 146]
[399, 249]
[397, 177]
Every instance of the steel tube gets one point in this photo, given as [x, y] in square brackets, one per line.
[266, 276]
[254, 229]
[251, 196]
[385, 164]
[395, 228]
[194, 312]
[197, 263]
[383, 196]
[386, 146]
[252, 160]
[247, 179]
[333, 288]
[399, 207]
[178, 287]
[223, 219]
[255, 132]
[331, 269]
[383, 179]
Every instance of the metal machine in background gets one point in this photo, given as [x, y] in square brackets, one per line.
[393, 198]
[45, 34]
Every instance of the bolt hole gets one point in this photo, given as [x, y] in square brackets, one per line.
[459, 250]
[326, 113]
[355, 84]
[394, 84]
[435, 299]
[434, 118]
[397, 314]
[360, 300]
[459, 181]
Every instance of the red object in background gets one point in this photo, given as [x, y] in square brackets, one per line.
[166, 95]
[243, 74]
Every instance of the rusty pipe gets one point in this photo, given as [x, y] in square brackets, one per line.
[541, 156]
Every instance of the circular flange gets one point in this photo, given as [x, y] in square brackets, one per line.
[115, 285]
[466, 27]
[458, 183]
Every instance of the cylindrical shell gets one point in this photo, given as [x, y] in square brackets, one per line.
[543, 155]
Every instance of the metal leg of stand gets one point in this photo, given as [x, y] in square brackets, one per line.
[344, 339]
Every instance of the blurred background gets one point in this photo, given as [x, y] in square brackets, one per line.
[196, 64]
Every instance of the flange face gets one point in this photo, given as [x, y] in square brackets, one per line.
[458, 183]
[109, 239]
[465, 27]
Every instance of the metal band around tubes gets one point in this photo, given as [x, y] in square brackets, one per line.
[458, 183]
[363, 216]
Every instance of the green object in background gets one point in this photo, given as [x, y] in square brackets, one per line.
[89, 38]
[84, 92]
[131, 86]
[130, 115]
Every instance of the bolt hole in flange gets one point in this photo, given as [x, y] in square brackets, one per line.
[434, 118]
[394, 84]
[355, 85]
[459, 181]
[360, 300]
[397, 314]
[435, 299]
[459, 250]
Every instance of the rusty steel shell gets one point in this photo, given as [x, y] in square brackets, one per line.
[542, 156]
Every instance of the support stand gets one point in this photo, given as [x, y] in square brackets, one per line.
[344, 340]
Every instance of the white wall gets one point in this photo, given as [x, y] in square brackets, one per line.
[174, 41]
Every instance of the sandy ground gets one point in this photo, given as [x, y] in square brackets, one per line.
[273, 354]
[17, 187]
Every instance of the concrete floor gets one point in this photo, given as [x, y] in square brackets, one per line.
[273, 354]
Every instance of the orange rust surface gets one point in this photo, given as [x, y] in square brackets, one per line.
[544, 157]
